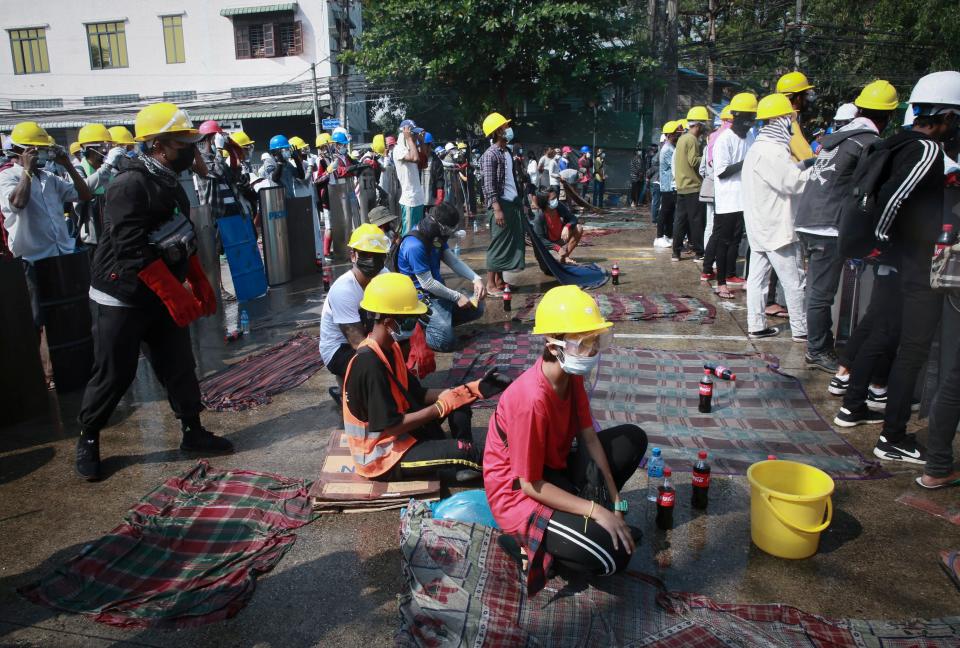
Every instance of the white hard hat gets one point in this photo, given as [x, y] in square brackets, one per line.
[845, 112]
[448, 146]
[908, 117]
[937, 89]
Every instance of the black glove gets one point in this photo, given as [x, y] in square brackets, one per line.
[492, 383]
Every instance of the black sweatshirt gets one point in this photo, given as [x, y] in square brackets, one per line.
[913, 194]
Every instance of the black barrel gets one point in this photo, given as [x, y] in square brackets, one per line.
[23, 393]
[63, 284]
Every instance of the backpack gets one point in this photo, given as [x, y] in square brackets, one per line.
[860, 213]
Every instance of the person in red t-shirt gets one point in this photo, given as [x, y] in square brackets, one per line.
[551, 498]
[556, 225]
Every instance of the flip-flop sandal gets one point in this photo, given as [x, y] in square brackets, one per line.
[950, 562]
[778, 313]
[724, 294]
[949, 484]
[494, 294]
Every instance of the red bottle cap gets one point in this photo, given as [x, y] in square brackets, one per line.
[771, 457]
[667, 472]
[702, 454]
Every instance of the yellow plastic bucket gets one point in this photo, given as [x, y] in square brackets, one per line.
[789, 507]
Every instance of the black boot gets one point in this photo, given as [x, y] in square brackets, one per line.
[196, 438]
[88, 456]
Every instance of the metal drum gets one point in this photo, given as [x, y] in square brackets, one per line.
[22, 389]
[276, 242]
[366, 191]
[388, 179]
[206, 229]
[344, 216]
[63, 285]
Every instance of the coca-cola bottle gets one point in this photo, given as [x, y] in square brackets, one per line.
[615, 274]
[700, 481]
[947, 238]
[720, 371]
[507, 298]
[666, 497]
[706, 392]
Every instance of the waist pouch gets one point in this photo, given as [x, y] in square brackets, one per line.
[175, 241]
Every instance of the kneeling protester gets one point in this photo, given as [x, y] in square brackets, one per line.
[558, 502]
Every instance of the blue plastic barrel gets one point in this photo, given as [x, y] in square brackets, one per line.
[243, 256]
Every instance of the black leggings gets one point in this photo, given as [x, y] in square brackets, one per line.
[591, 550]
[727, 244]
[438, 457]
[668, 206]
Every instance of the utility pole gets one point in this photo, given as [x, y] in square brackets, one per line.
[316, 103]
[796, 47]
[669, 61]
[344, 42]
[653, 19]
[711, 47]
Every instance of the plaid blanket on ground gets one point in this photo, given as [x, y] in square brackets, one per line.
[187, 554]
[252, 381]
[463, 590]
[618, 308]
[764, 412]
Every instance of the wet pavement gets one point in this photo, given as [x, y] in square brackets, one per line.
[338, 584]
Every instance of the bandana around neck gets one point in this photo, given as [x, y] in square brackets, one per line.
[776, 130]
[166, 176]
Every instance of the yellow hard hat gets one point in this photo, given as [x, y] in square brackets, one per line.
[369, 238]
[492, 122]
[162, 119]
[241, 139]
[379, 144]
[74, 147]
[462, 146]
[775, 105]
[743, 102]
[567, 309]
[94, 133]
[669, 127]
[30, 134]
[698, 113]
[298, 143]
[683, 124]
[793, 82]
[725, 114]
[392, 294]
[879, 95]
[121, 135]
[323, 139]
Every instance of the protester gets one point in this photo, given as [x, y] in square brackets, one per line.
[771, 185]
[818, 215]
[689, 220]
[797, 88]
[121, 136]
[599, 177]
[406, 158]
[556, 225]
[729, 151]
[638, 170]
[392, 422]
[419, 257]
[507, 242]
[137, 290]
[281, 166]
[533, 474]
[844, 115]
[653, 182]
[706, 197]
[321, 183]
[585, 163]
[549, 170]
[389, 224]
[245, 177]
[99, 160]
[215, 186]
[668, 187]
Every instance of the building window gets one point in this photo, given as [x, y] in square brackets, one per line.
[101, 100]
[173, 38]
[250, 92]
[31, 104]
[108, 45]
[180, 95]
[29, 49]
[262, 39]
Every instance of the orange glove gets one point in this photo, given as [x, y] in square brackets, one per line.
[454, 398]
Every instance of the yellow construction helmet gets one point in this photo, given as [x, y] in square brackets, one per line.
[725, 114]
[462, 146]
[241, 139]
[94, 133]
[379, 144]
[369, 238]
[793, 82]
[775, 105]
[121, 135]
[567, 309]
[698, 113]
[323, 139]
[74, 148]
[743, 102]
[879, 95]
[164, 119]
[30, 134]
[492, 122]
[669, 127]
[298, 143]
[392, 294]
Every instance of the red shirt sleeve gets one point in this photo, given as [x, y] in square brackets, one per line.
[526, 439]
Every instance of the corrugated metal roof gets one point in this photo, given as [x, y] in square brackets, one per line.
[240, 11]
[252, 111]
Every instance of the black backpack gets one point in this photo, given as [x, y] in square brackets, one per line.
[860, 213]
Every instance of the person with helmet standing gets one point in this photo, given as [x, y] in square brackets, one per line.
[341, 326]
[638, 170]
[281, 166]
[771, 185]
[844, 115]
[406, 157]
[797, 88]
[75, 156]
[138, 295]
[434, 188]
[503, 202]
[554, 500]
[99, 160]
[708, 195]
[244, 175]
[31, 200]
[690, 218]
[818, 215]
[213, 182]
[729, 151]
[672, 131]
[321, 183]
[121, 136]
[585, 164]
[392, 422]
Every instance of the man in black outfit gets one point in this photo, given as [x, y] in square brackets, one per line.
[145, 254]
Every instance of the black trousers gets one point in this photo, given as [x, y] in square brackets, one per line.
[874, 341]
[636, 188]
[118, 336]
[668, 207]
[824, 269]
[591, 550]
[944, 418]
[690, 220]
[724, 246]
[436, 456]
[341, 358]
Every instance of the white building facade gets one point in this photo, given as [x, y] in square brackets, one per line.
[67, 62]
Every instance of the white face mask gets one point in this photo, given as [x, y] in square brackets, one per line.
[508, 134]
[577, 365]
[219, 140]
[554, 203]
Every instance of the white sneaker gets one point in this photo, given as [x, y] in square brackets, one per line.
[660, 242]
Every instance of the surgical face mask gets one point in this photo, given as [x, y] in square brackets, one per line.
[219, 140]
[341, 149]
[285, 153]
[508, 134]
[370, 265]
[577, 365]
[554, 203]
[44, 155]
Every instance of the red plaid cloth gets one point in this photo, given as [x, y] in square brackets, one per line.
[539, 561]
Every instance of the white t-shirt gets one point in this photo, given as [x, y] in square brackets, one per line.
[727, 192]
[553, 170]
[342, 306]
[411, 191]
[532, 172]
[38, 230]
[509, 186]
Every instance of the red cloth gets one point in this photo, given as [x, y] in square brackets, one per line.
[554, 224]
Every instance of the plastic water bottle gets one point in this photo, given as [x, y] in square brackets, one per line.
[245, 322]
[654, 474]
[456, 248]
[476, 225]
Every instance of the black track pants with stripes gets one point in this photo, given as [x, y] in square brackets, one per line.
[437, 456]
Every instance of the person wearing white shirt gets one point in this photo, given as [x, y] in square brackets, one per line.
[406, 157]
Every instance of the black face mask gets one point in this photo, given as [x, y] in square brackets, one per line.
[370, 266]
[183, 160]
[742, 124]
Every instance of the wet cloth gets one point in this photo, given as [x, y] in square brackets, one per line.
[507, 243]
[187, 554]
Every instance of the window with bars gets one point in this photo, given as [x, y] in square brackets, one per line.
[249, 92]
[180, 95]
[29, 49]
[101, 100]
[30, 104]
[267, 39]
[173, 38]
[108, 45]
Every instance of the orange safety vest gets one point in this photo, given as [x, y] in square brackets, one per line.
[374, 453]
